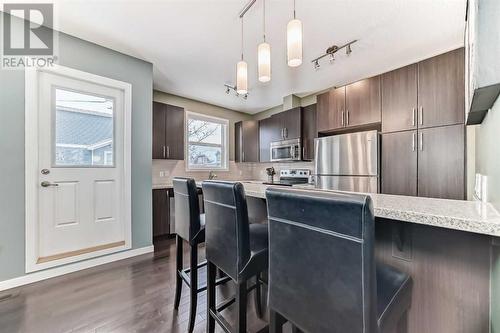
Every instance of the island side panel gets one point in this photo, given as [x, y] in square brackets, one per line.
[450, 271]
[495, 286]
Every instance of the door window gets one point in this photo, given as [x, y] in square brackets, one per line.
[84, 130]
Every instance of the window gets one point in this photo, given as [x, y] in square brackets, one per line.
[83, 129]
[207, 142]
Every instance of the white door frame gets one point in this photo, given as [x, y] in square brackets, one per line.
[32, 168]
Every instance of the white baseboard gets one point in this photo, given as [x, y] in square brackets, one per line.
[70, 268]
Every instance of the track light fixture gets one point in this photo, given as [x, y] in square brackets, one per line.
[330, 52]
[230, 88]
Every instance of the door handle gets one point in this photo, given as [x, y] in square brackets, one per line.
[303, 152]
[421, 141]
[243, 156]
[164, 155]
[342, 118]
[168, 151]
[347, 117]
[413, 142]
[286, 133]
[47, 184]
[421, 115]
[413, 115]
[282, 135]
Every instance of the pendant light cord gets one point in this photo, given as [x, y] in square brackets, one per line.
[242, 38]
[264, 19]
[294, 10]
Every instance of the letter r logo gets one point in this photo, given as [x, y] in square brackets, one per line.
[34, 36]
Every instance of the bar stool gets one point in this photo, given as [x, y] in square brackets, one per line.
[234, 246]
[190, 227]
[322, 271]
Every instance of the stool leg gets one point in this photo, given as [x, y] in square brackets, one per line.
[178, 268]
[258, 297]
[276, 322]
[211, 276]
[194, 287]
[241, 303]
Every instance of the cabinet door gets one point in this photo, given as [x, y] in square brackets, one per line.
[324, 116]
[399, 99]
[175, 133]
[161, 212]
[441, 90]
[238, 141]
[337, 107]
[292, 123]
[363, 102]
[159, 121]
[249, 141]
[399, 163]
[441, 162]
[309, 132]
[266, 128]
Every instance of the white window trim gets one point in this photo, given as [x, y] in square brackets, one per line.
[225, 146]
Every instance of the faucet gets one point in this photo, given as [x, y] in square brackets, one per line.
[211, 175]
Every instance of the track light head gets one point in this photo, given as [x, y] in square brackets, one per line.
[316, 65]
[348, 50]
[332, 58]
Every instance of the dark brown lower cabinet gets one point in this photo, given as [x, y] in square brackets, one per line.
[161, 212]
[399, 163]
[441, 162]
[429, 162]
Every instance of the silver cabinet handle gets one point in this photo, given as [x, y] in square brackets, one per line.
[168, 151]
[347, 117]
[421, 115]
[164, 155]
[243, 156]
[343, 118]
[286, 132]
[47, 184]
[413, 142]
[303, 152]
[421, 141]
[283, 133]
[413, 115]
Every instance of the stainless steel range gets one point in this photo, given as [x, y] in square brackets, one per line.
[289, 177]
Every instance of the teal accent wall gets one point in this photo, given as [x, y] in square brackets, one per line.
[89, 57]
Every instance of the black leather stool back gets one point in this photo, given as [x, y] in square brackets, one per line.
[321, 260]
[227, 231]
[187, 209]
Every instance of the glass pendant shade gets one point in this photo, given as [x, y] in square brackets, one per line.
[294, 43]
[241, 78]
[264, 60]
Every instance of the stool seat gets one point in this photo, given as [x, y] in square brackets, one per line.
[393, 295]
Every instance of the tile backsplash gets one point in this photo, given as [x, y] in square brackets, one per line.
[164, 170]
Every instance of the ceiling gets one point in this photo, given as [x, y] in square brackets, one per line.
[194, 44]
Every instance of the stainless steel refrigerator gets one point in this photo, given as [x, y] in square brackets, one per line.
[348, 162]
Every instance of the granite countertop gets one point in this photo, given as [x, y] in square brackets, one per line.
[470, 216]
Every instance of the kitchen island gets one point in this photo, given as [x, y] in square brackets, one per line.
[449, 247]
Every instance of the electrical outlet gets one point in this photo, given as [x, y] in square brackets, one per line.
[162, 174]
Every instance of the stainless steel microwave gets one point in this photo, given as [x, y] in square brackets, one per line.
[287, 150]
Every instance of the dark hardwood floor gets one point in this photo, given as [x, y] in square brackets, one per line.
[133, 295]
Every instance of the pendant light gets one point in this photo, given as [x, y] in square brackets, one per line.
[242, 70]
[264, 54]
[294, 41]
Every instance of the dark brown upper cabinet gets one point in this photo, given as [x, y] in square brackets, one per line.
[363, 102]
[246, 135]
[168, 131]
[330, 110]
[399, 99]
[399, 163]
[441, 162]
[441, 90]
[291, 121]
[309, 132]
[268, 132]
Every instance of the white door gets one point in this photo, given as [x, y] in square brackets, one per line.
[81, 184]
